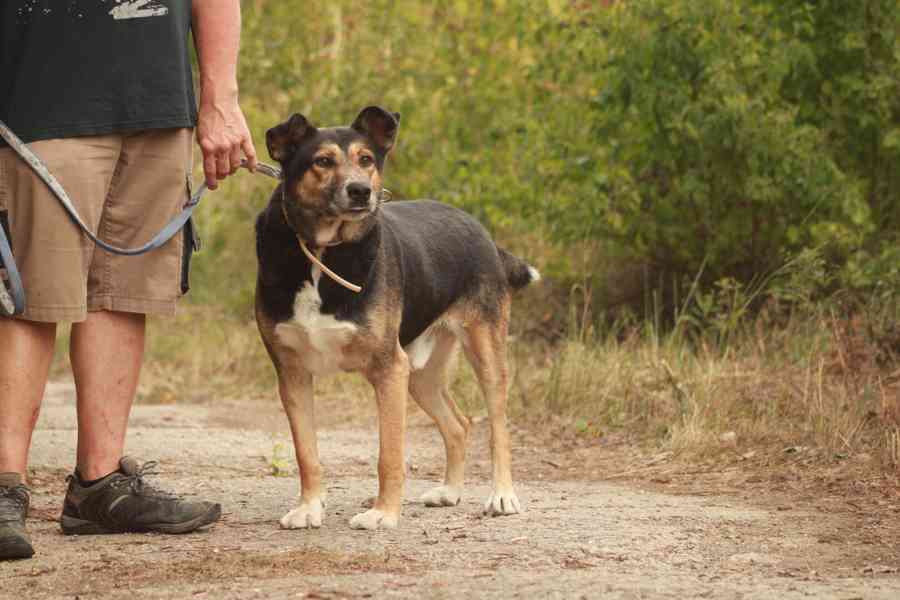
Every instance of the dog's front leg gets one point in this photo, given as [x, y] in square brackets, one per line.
[390, 378]
[295, 385]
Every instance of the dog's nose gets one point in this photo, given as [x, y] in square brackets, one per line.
[359, 194]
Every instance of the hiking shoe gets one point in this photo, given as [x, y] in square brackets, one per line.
[123, 502]
[14, 501]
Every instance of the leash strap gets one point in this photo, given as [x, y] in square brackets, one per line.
[334, 276]
[40, 169]
[12, 302]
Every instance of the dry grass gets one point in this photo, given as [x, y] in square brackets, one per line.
[806, 385]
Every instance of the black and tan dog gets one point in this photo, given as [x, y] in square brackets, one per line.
[431, 276]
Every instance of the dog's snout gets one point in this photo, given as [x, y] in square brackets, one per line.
[359, 194]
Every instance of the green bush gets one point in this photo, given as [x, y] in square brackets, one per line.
[733, 134]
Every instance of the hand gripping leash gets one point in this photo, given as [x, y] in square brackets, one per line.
[12, 300]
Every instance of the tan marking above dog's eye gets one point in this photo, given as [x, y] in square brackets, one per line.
[326, 162]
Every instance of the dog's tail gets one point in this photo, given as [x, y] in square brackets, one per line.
[518, 272]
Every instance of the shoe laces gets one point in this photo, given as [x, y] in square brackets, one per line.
[138, 485]
[17, 495]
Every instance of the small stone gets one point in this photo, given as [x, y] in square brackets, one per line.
[752, 558]
[794, 449]
[729, 438]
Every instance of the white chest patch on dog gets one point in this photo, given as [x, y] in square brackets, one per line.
[318, 338]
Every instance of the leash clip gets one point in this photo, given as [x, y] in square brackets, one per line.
[12, 298]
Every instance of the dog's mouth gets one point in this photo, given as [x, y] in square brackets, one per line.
[357, 213]
[348, 208]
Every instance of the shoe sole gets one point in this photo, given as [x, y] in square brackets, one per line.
[73, 526]
[15, 549]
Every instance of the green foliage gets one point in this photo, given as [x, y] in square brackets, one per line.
[733, 134]
[457, 73]
[665, 133]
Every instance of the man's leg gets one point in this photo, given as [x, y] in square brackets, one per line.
[25, 356]
[106, 353]
[108, 493]
[148, 188]
[53, 258]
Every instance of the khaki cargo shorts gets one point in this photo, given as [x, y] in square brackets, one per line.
[126, 187]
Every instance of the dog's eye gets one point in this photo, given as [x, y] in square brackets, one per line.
[366, 161]
[325, 162]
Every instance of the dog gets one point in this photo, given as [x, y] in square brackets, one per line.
[431, 277]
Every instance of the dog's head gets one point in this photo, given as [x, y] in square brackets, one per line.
[332, 176]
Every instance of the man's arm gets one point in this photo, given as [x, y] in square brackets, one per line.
[222, 130]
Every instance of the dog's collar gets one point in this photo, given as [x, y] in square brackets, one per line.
[312, 257]
[337, 278]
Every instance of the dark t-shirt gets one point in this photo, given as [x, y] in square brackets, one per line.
[90, 67]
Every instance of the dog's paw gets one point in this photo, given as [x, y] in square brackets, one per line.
[445, 495]
[502, 503]
[373, 519]
[306, 516]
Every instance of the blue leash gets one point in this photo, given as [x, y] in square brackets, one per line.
[12, 301]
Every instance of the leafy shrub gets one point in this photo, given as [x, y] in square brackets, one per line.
[734, 134]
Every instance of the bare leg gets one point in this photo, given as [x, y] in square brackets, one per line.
[391, 383]
[106, 352]
[25, 356]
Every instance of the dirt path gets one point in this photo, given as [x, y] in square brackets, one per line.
[577, 539]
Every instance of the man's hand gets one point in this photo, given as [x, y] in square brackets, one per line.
[223, 135]
[222, 130]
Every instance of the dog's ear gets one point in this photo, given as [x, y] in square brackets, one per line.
[379, 124]
[282, 140]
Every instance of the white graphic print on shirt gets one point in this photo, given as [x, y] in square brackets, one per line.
[29, 11]
[137, 9]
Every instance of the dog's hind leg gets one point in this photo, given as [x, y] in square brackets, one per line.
[296, 388]
[484, 341]
[428, 386]
[390, 378]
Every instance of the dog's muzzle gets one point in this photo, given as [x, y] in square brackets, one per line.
[357, 202]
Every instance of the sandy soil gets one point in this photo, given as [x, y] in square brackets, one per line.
[660, 536]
